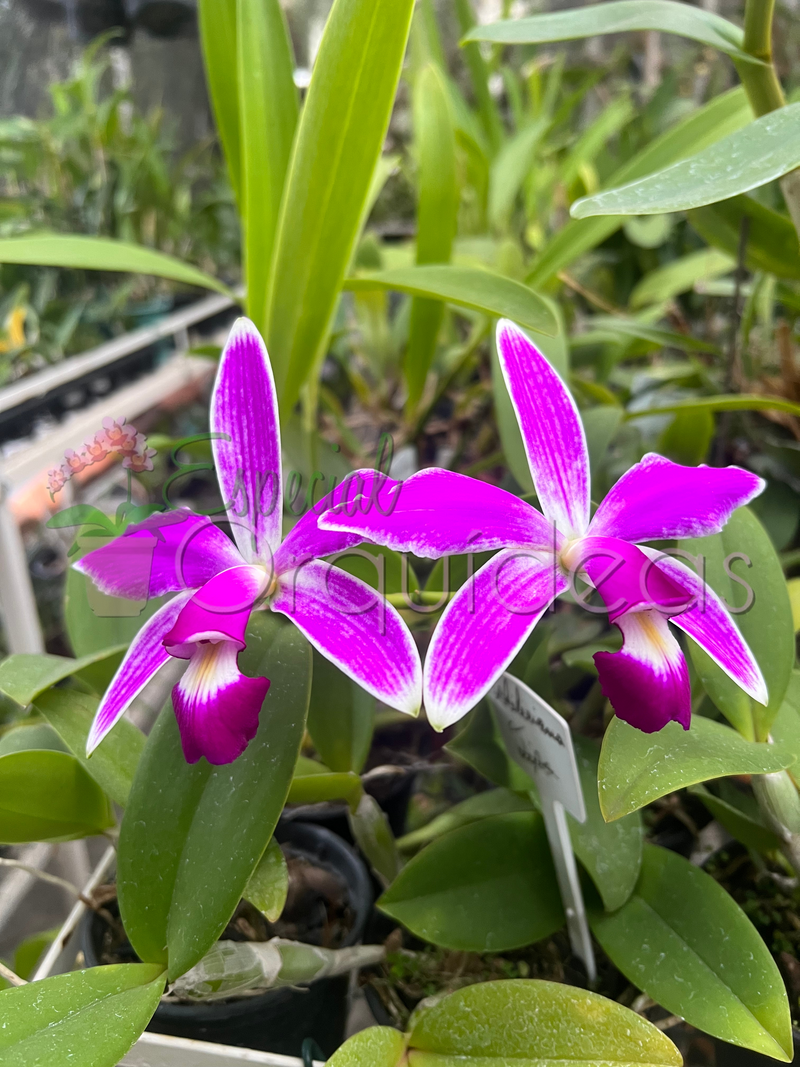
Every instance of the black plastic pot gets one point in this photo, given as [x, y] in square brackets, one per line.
[162, 18]
[281, 1019]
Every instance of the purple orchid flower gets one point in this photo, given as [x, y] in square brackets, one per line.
[219, 584]
[487, 622]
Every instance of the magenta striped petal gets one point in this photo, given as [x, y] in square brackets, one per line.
[709, 623]
[626, 578]
[310, 538]
[438, 513]
[217, 707]
[244, 407]
[217, 612]
[164, 554]
[349, 622]
[142, 660]
[647, 681]
[660, 500]
[551, 429]
[483, 628]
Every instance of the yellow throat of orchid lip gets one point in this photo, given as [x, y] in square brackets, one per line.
[570, 555]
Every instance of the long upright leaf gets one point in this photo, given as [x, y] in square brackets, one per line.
[437, 212]
[667, 16]
[218, 39]
[721, 116]
[339, 139]
[192, 835]
[268, 114]
[102, 253]
[479, 75]
[771, 237]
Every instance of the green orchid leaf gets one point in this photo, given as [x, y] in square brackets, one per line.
[217, 21]
[721, 116]
[341, 718]
[529, 1023]
[372, 833]
[378, 1046]
[486, 887]
[741, 564]
[437, 215]
[268, 885]
[469, 287]
[636, 768]
[742, 819]
[480, 745]
[113, 763]
[268, 109]
[771, 237]
[90, 1017]
[481, 806]
[46, 795]
[25, 675]
[686, 943]
[765, 150]
[738, 402]
[102, 253]
[316, 783]
[680, 276]
[338, 144]
[786, 727]
[193, 834]
[620, 16]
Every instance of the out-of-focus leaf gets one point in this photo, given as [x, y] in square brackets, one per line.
[680, 276]
[480, 745]
[217, 19]
[510, 168]
[771, 238]
[102, 253]
[687, 438]
[88, 1017]
[765, 150]
[27, 674]
[610, 327]
[481, 806]
[595, 137]
[373, 835]
[619, 16]
[739, 562]
[479, 75]
[469, 287]
[341, 717]
[684, 941]
[113, 763]
[47, 796]
[745, 826]
[313, 783]
[485, 887]
[437, 215]
[636, 768]
[338, 143]
[268, 116]
[269, 882]
[736, 402]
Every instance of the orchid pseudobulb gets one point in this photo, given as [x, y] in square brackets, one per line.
[219, 583]
[486, 623]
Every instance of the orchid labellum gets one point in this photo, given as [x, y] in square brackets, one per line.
[219, 583]
[540, 554]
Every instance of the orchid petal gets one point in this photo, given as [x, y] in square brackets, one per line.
[310, 538]
[437, 513]
[709, 623]
[217, 707]
[661, 500]
[163, 554]
[352, 626]
[244, 407]
[551, 428]
[647, 681]
[483, 627]
[144, 657]
[217, 612]
[626, 578]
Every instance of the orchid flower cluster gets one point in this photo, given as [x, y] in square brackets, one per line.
[117, 437]
[539, 555]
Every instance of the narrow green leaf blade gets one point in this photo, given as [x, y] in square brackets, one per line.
[113, 763]
[771, 237]
[636, 768]
[90, 1017]
[739, 402]
[619, 16]
[527, 1022]
[765, 150]
[25, 675]
[437, 214]
[192, 834]
[686, 943]
[268, 110]
[269, 883]
[339, 140]
[485, 887]
[102, 253]
[47, 796]
[217, 19]
[681, 275]
[469, 287]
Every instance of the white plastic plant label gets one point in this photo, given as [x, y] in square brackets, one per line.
[537, 738]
